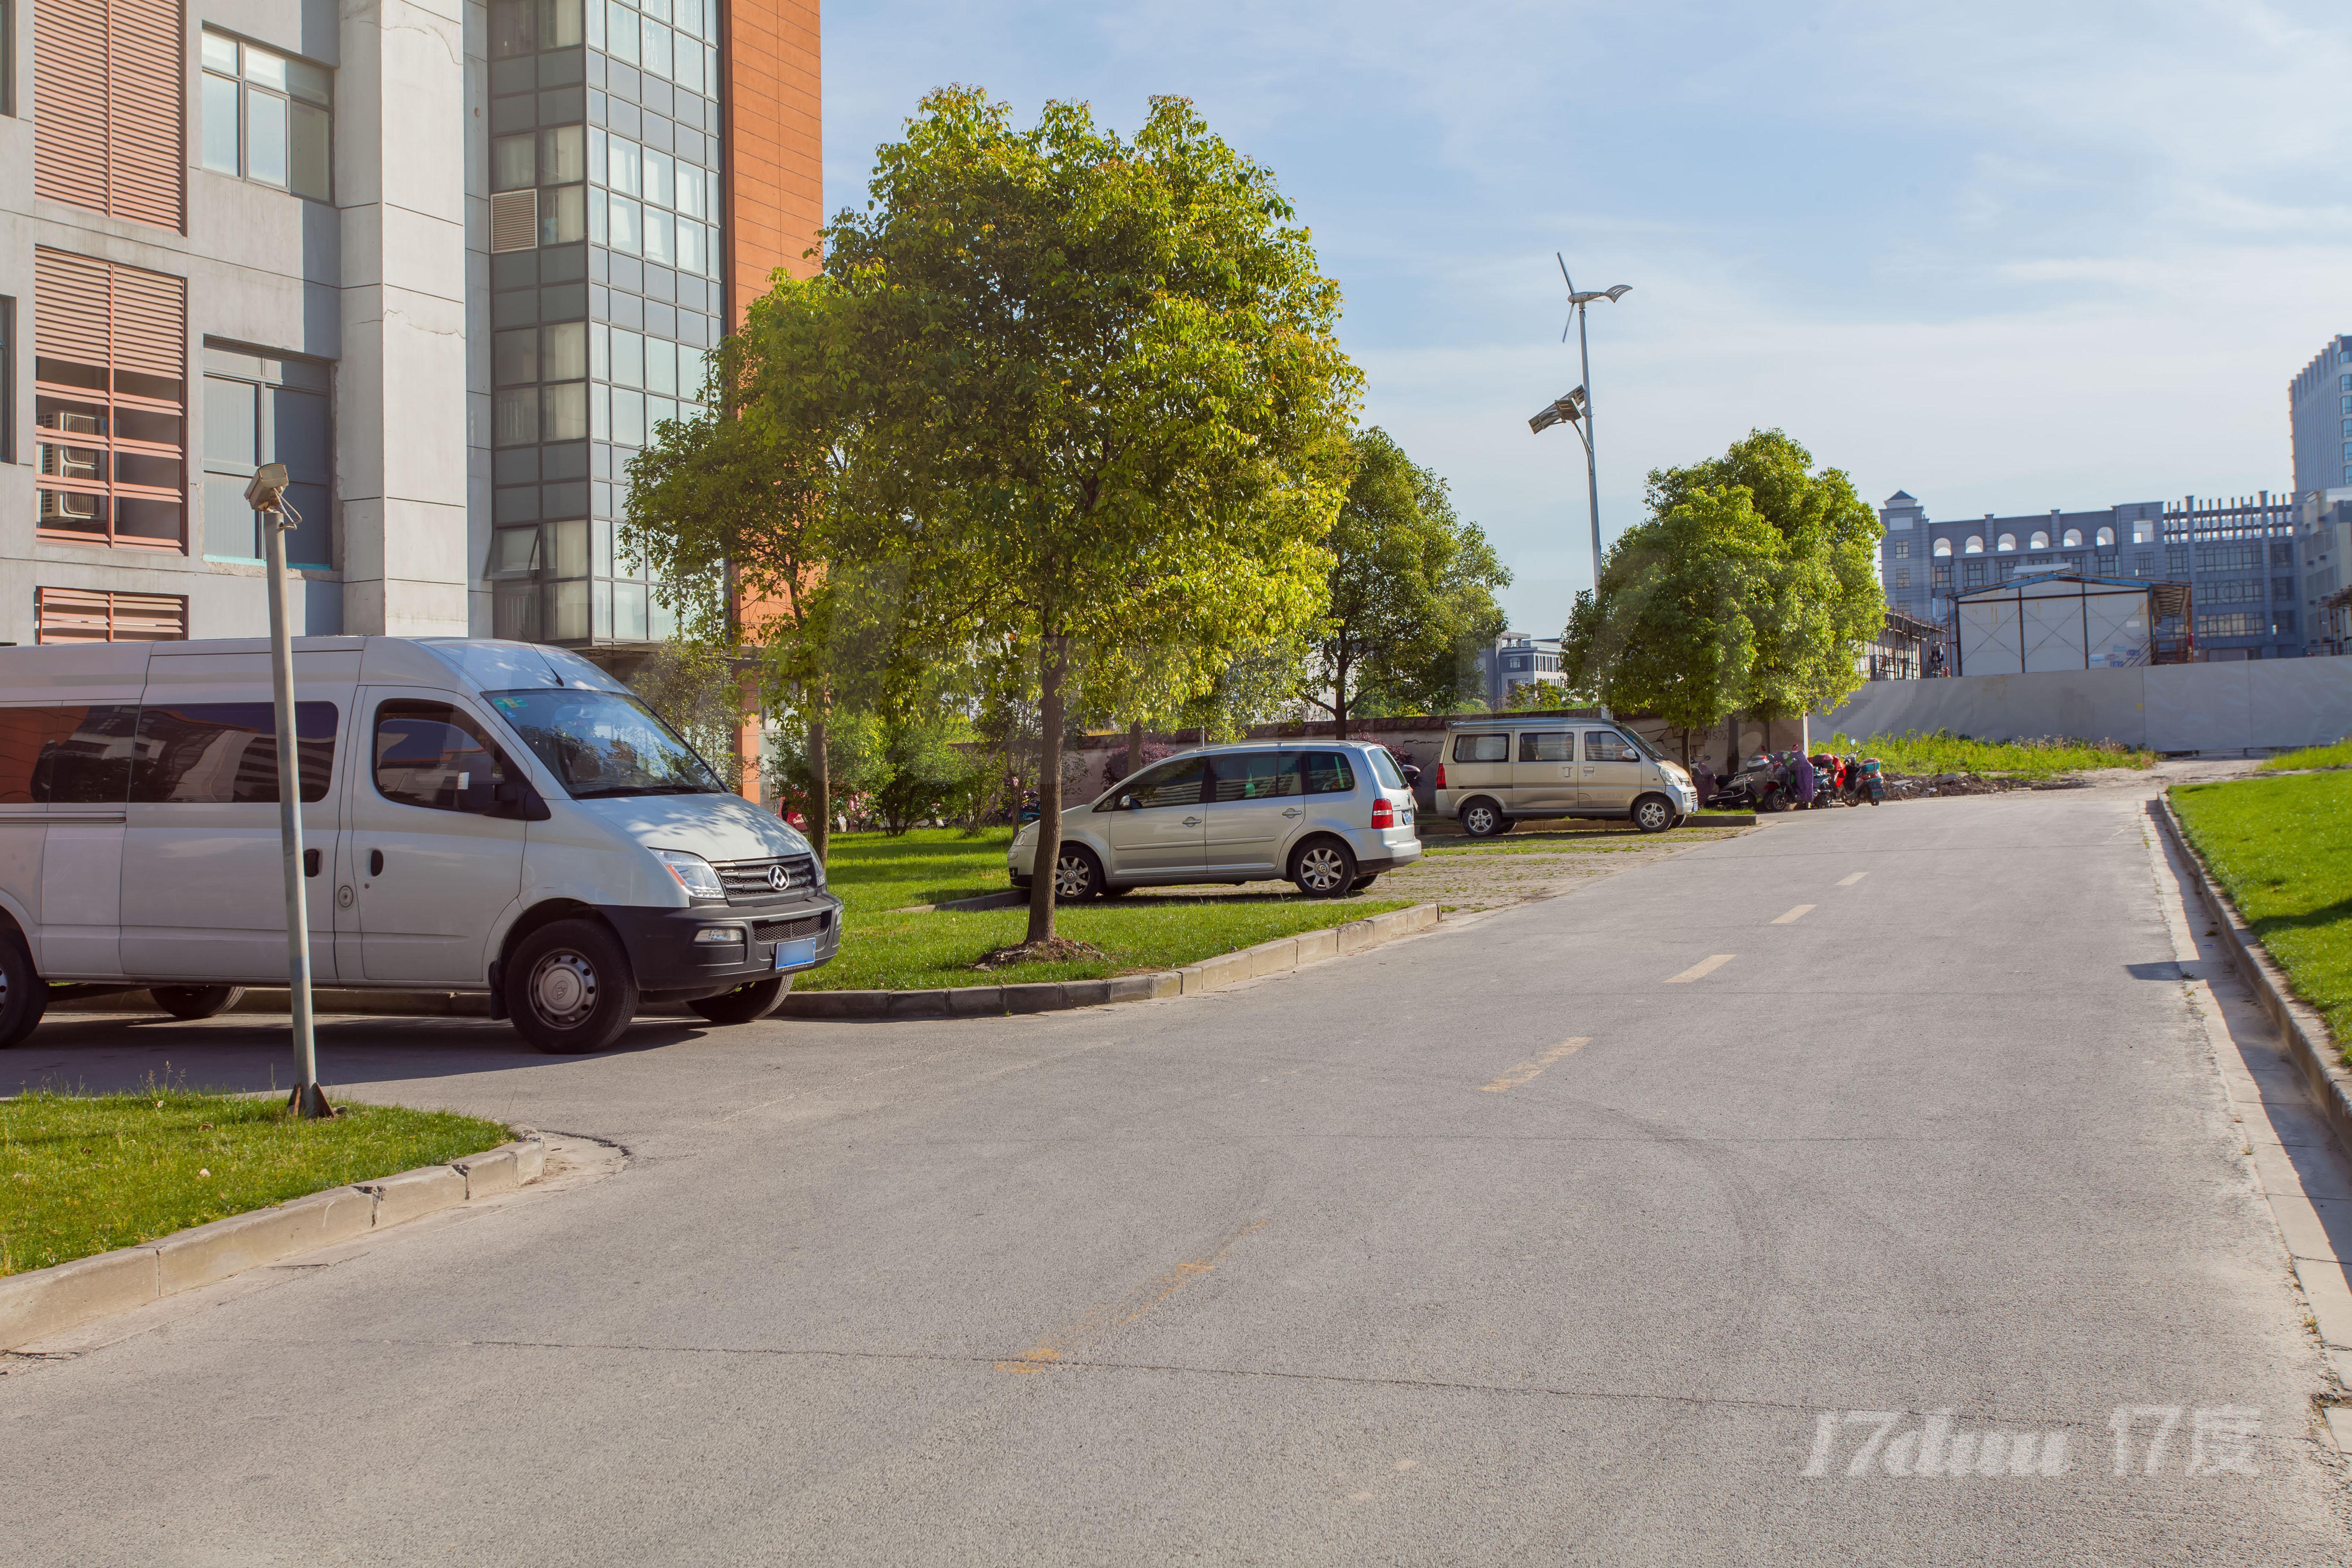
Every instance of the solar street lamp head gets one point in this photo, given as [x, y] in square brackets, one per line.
[1560, 411]
[268, 487]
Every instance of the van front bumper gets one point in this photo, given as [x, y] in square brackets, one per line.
[666, 950]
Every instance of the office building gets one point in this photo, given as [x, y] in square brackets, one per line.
[1516, 660]
[2238, 556]
[2319, 413]
[450, 262]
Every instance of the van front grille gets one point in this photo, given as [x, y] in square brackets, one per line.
[787, 931]
[758, 881]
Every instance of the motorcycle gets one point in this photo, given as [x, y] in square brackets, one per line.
[1760, 784]
[1870, 784]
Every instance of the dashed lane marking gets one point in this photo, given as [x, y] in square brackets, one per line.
[1793, 916]
[1534, 1064]
[1849, 881]
[1703, 968]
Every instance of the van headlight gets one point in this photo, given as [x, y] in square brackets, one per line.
[696, 875]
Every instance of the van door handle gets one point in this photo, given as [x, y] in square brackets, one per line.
[375, 862]
[1192, 822]
[310, 862]
[1291, 811]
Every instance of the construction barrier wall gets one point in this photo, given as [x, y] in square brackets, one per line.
[2251, 705]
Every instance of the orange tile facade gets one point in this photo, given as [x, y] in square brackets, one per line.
[774, 166]
[775, 145]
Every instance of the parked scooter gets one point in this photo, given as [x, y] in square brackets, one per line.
[1760, 784]
[1869, 785]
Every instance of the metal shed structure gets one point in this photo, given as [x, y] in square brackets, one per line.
[2062, 620]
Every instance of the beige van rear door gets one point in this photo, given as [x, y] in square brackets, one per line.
[1543, 773]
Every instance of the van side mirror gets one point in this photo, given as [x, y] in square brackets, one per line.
[1127, 802]
[515, 801]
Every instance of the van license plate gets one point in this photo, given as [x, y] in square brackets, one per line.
[797, 954]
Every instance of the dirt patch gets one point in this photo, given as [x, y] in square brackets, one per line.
[1053, 950]
[1532, 861]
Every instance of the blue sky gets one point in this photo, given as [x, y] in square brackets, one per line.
[2007, 256]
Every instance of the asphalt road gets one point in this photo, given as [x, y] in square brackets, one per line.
[1499, 1245]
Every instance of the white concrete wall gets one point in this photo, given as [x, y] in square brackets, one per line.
[2245, 705]
[401, 437]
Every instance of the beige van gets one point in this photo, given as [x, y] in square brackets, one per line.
[1496, 771]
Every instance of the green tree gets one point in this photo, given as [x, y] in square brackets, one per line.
[1824, 599]
[1672, 628]
[1413, 593]
[1106, 375]
[698, 688]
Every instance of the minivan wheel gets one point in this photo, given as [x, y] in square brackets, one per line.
[1323, 869]
[1652, 813]
[24, 995]
[1076, 875]
[1484, 819]
[192, 1001]
[570, 988]
[747, 1003]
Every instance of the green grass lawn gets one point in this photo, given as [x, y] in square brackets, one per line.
[2282, 848]
[87, 1173]
[1913, 752]
[872, 874]
[2339, 756]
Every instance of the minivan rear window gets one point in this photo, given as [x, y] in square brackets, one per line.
[1384, 765]
[1328, 773]
[1254, 775]
[1548, 746]
[1482, 748]
[76, 754]
[225, 753]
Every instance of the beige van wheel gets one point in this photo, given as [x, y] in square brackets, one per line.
[1484, 819]
[1653, 814]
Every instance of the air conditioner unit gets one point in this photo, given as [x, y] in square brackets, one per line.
[69, 505]
[74, 422]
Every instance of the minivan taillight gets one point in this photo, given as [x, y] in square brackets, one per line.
[1383, 813]
[1441, 775]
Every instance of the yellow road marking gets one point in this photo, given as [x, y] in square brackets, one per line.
[1534, 1064]
[1793, 915]
[1849, 881]
[1702, 969]
[1112, 1317]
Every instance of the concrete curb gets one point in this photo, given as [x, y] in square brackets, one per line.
[1003, 901]
[41, 1302]
[2316, 1050]
[1277, 957]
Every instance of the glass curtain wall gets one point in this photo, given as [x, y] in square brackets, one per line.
[603, 330]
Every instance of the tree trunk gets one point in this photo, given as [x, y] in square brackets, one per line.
[1730, 744]
[1339, 700]
[1134, 748]
[1053, 662]
[820, 783]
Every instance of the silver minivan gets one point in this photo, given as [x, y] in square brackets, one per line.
[478, 816]
[1329, 815]
[1496, 771]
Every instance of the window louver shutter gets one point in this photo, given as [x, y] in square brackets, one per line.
[146, 162]
[108, 108]
[514, 220]
[85, 615]
[70, 308]
[150, 322]
[70, 103]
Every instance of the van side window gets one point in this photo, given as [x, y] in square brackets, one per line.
[1170, 783]
[1482, 748]
[1254, 775]
[1609, 746]
[225, 753]
[1328, 773]
[78, 754]
[1548, 746]
[436, 756]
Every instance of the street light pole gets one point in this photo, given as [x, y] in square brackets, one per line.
[267, 495]
[1582, 399]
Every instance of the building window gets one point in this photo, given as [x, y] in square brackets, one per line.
[1976, 574]
[262, 408]
[109, 401]
[653, 204]
[1901, 550]
[107, 77]
[2107, 539]
[2009, 542]
[521, 28]
[7, 358]
[1903, 577]
[1943, 578]
[2073, 538]
[2235, 624]
[84, 614]
[266, 117]
[1943, 547]
[1975, 545]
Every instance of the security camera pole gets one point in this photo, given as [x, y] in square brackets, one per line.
[267, 495]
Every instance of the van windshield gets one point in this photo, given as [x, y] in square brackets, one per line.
[1642, 745]
[603, 743]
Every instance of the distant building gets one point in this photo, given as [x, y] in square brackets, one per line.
[2238, 558]
[1516, 660]
[2327, 538]
[2319, 411]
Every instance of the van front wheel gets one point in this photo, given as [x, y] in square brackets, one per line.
[1652, 813]
[24, 995]
[746, 1003]
[570, 989]
[193, 1002]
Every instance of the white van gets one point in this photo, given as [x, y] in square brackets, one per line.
[478, 817]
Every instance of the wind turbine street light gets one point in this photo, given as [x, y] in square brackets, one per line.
[1578, 402]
